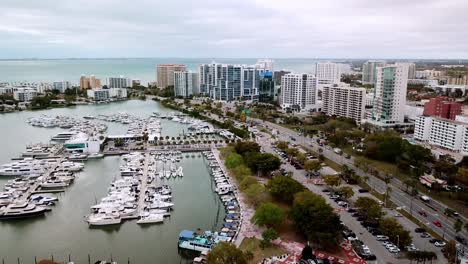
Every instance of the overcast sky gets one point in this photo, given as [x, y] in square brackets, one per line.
[234, 28]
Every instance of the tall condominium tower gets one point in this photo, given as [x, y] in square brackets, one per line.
[390, 94]
[165, 74]
[298, 91]
[185, 83]
[368, 71]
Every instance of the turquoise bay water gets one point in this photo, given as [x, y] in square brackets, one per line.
[144, 69]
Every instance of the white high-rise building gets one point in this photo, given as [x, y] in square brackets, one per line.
[344, 101]
[390, 95]
[299, 91]
[265, 64]
[119, 82]
[411, 68]
[62, 86]
[228, 82]
[185, 83]
[368, 71]
[327, 73]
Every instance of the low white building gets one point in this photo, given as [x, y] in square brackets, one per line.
[118, 92]
[413, 111]
[24, 94]
[425, 82]
[444, 133]
[82, 143]
[98, 94]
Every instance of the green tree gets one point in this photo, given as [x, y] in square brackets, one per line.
[368, 207]
[269, 215]
[332, 180]
[246, 182]
[267, 236]
[246, 146]
[264, 163]
[284, 188]
[226, 253]
[316, 219]
[312, 165]
[395, 232]
[233, 160]
[256, 194]
[346, 192]
[458, 225]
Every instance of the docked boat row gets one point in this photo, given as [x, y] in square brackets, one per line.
[164, 165]
[66, 122]
[205, 241]
[41, 150]
[121, 202]
[157, 205]
[120, 117]
[28, 195]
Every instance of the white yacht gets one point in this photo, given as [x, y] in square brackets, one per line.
[101, 219]
[95, 156]
[150, 218]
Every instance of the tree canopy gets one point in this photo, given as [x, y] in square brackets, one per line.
[284, 188]
[263, 163]
[226, 253]
[270, 215]
[246, 146]
[395, 231]
[368, 207]
[316, 219]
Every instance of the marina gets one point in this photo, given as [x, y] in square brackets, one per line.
[139, 239]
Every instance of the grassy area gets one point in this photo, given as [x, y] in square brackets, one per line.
[253, 245]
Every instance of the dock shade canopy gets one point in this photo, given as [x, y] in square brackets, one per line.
[186, 234]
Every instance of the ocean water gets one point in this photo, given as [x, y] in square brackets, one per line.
[143, 69]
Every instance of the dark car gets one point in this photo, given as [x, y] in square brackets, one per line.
[423, 213]
[369, 257]
[351, 210]
[461, 240]
[433, 240]
[326, 190]
[419, 230]
[363, 191]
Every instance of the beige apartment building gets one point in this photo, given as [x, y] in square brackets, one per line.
[165, 74]
[90, 82]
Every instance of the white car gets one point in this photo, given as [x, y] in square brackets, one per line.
[394, 250]
[381, 238]
[397, 215]
[440, 244]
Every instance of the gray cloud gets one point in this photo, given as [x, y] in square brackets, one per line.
[241, 28]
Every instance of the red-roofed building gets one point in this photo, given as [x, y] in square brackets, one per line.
[443, 107]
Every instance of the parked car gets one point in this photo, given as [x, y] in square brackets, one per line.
[363, 191]
[423, 213]
[439, 244]
[419, 230]
[425, 235]
[381, 238]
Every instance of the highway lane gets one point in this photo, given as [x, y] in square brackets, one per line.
[398, 196]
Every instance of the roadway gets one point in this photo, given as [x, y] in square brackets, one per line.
[435, 212]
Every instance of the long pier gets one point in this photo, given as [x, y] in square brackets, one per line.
[144, 184]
